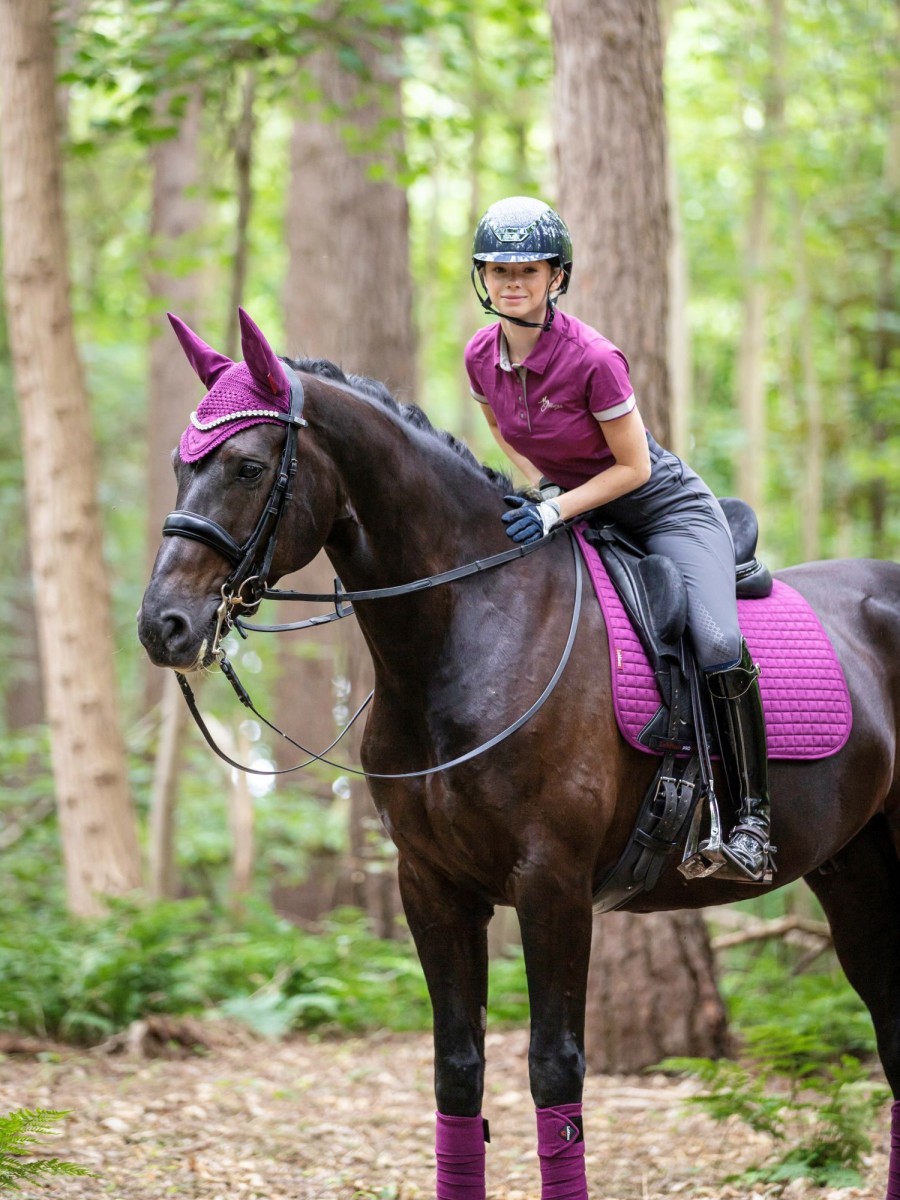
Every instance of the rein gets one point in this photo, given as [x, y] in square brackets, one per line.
[418, 585]
[339, 596]
[246, 587]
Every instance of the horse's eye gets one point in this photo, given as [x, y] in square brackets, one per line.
[250, 470]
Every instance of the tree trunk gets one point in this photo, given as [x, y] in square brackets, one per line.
[610, 127]
[611, 157]
[97, 820]
[347, 233]
[751, 351]
[663, 964]
[814, 442]
[243, 169]
[348, 229]
[177, 216]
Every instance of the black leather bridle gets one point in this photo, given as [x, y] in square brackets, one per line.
[251, 562]
[246, 586]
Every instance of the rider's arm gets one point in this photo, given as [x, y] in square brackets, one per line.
[627, 440]
[531, 473]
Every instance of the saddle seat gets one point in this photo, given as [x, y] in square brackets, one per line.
[651, 586]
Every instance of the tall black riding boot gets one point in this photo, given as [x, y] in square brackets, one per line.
[738, 712]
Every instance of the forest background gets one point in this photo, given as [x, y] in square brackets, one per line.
[217, 153]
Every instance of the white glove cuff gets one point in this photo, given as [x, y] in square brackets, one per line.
[549, 511]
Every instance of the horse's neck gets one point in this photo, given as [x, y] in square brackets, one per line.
[417, 508]
[413, 511]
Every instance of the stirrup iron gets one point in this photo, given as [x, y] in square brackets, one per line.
[701, 859]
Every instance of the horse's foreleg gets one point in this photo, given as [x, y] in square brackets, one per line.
[450, 931]
[861, 898]
[556, 939]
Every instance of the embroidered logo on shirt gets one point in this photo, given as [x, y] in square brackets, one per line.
[546, 403]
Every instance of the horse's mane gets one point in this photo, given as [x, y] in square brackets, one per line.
[410, 413]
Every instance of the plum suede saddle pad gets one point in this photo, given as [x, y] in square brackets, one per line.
[805, 697]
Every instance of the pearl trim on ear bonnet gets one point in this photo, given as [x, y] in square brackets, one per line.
[240, 394]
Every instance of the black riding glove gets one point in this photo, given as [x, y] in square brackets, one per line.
[528, 522]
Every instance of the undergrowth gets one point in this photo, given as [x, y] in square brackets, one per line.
[824, 1110]
[82, 981]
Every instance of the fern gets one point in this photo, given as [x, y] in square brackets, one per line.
[834, 1104]
[20, 1131]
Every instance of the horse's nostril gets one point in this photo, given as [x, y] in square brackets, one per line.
[174, 628]
[169, 636]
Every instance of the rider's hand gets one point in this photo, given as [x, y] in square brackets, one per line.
[527, 522]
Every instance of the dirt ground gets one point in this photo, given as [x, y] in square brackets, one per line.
[353, 1118]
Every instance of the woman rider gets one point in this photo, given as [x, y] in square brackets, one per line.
[559, 402]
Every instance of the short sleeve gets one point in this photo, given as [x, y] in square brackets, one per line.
[475, 385]
[610, 393]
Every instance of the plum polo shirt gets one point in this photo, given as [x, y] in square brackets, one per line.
[552, 407]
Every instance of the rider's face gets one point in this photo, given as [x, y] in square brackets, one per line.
[520, 289]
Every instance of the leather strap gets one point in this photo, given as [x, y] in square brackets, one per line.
[183, 523]
[244, 697]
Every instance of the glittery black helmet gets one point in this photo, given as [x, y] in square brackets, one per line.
[521, 229]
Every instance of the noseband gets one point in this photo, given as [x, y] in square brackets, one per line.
[252, 561]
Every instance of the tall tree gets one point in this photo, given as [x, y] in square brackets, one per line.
[73, 609]
[173, 282]
[751, 387]
[348, 294]
[611, 149]
[609, 129]
[348, 297]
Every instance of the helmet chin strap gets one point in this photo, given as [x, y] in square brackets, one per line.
[485, 303]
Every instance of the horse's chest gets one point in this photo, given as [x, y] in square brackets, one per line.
[460, 830]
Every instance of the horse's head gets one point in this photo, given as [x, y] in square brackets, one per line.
[255, 500]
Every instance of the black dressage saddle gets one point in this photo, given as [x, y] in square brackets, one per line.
[681, 802]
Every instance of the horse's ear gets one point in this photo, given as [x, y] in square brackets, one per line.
[265, 365]
[208, 363]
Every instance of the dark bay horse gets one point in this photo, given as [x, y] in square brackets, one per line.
[538, 820]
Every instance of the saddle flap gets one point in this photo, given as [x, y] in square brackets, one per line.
[654, 595]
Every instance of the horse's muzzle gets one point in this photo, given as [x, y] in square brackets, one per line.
[173, 638]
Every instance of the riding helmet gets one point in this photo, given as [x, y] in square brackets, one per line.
[521, 229]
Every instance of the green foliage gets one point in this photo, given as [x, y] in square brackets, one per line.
[832, 231]
[19, 1132]
[823, 1111]
[141, 59]
[820, 1012]
[83, 981]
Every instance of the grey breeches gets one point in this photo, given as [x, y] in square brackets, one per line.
[674, 513]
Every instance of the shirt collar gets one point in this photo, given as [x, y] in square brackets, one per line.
[539, 357]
